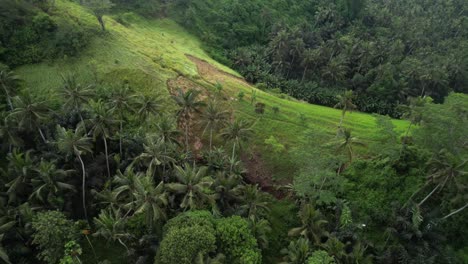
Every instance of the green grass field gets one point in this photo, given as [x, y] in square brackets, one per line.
[148, 53]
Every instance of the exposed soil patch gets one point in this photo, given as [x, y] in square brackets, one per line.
[258, 173]
[212, 74]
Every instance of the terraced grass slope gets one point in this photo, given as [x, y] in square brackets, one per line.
[157, 56]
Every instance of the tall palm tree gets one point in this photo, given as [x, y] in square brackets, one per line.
[50, 182]
[156, 153]
[260, 229]
[9, 82]
[147, 105]
[345, 102]
[101, 124]
[227, 188]
[122, 100]
[297, 252]
[9, 132]
[150, 200]
[125, 183]
[74, 94]
[446, 169]
[194, 184]
[19, 174]
[254, 202]
[167, 130]
[413, 112]
[110, 224]
[71, 142]
[188, 103]
[308, 58]
[347, 143]
[237, 132]
[312, 226]
[30, 113]
[213, 118]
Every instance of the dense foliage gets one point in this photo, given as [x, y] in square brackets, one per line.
[100, 172]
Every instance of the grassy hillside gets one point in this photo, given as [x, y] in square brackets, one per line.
[153, 56]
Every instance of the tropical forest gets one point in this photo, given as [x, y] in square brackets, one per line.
[233, 131]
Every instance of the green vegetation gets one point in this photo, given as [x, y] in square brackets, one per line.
[123, 141]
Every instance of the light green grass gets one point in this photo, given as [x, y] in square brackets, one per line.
[150, 52]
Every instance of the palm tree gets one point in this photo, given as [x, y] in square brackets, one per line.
[188, 103]
[9, 132]
[149, 199]
[346, 104]
[445, 169]
[147, 105]
[260, 229]
[213, 118]
[121, 101]
[50, 182]
[413, 112]
[297, 252]
[111, 225]
[101, 123]
[312, 226]
[167, 130]
[30, 113]
[125, 183]
[9, 82]
[19, 174]
[347, 143]
[335, 70]
[193, 184]
[227, 188]
[308, 57]
[75, 95]
[155, 154]
[254, 201]
[75, 143]
[237, 132]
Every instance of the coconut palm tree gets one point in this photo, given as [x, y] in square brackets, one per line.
[110, 224]
[312, 226]
[308, 58]
[149, 199]
[167, 130]
[147, 105]
[254, 202]
[260, 229]
[30, 113]
[50, 182]
[347, 143]
[297, 252]
[101, 124]
[188, 103]
[413, 112]
[9, 132]
[227, 188]
[194, 184]
[19, 174]
[9, 82]
[156, 153]
[445, 169]
[75, 95]
[122, 100]
[213, 118]
[345, 102]
[237, 132]
[75, 143]
[125, 183]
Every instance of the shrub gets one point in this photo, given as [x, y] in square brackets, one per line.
[187, 236]
[236, 241]
[52, 230]
[259, 108]
[241, 95]
[275, 109]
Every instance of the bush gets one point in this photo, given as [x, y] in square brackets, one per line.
[241, 95]
[186, 236]
[236, 241]
[259, 108]
[52, 230]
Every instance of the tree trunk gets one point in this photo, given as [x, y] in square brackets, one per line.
[186, 134]
[455, 212]
[82, 121]
[211, 137]
[107, 157]
[120, 137]
[406, 137]
[10, 104]
[83, 185]
[304, 74]
[101, 22]
[233, 154]
[429, 195]
[42, 135]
